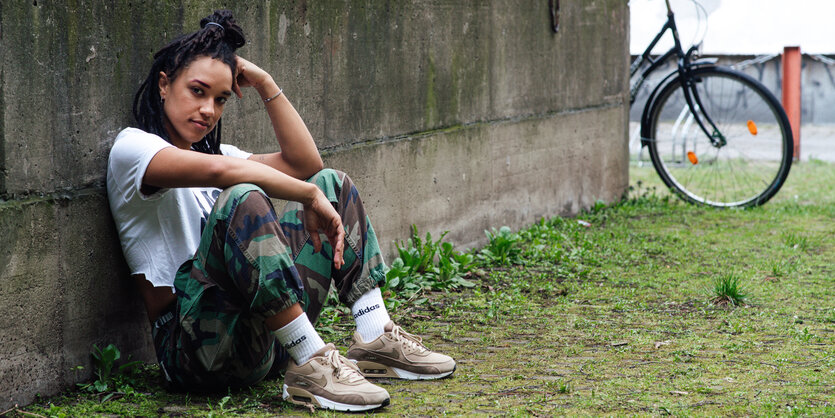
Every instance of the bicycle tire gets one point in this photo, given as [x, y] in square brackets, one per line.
[749, 169]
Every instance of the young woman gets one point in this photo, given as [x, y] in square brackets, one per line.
[222, 275]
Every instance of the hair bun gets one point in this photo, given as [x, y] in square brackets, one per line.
[232, 33]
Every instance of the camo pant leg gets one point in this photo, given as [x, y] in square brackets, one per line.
[364, 267]
[241, 274]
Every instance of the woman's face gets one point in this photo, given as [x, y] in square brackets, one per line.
[193, 102]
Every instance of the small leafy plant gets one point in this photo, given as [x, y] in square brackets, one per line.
[504, 247]
[107, 378]
[223, 411]
[426, 264]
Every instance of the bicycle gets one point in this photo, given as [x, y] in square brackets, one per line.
[715, 135]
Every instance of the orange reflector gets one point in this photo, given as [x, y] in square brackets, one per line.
[692, 157]
[752, 127]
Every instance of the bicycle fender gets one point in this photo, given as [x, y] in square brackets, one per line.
[672, 77]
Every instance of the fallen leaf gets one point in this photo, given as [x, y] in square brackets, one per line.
[658, 344]
[679, 392]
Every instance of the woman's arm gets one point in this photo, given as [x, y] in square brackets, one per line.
[299, 156]
[174, 167]
[156, 298]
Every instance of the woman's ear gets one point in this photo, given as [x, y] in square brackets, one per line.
[163, 84]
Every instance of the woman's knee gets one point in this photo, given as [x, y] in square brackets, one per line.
[331, 182]
[237, 193]
[240, 190]
[239, 198]
[327, 176]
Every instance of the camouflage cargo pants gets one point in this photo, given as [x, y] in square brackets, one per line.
[250, 265]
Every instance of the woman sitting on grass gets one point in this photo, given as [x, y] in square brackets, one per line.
[222, 275]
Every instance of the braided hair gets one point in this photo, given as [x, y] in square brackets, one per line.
[218, 37]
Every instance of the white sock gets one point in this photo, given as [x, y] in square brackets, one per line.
[299, 338]
[371, 315]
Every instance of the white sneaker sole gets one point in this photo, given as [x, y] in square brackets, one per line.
[305, 398]
[372, 369]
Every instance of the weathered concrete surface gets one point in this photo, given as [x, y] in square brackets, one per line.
[453, 115]
[481, 176]
[60, 293]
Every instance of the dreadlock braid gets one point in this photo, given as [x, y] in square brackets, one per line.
[218, 37]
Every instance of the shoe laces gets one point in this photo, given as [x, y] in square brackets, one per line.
[342, 368]
[409, 340]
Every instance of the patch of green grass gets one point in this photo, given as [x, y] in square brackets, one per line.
[727, 291]
[783, 267]
[796, 241]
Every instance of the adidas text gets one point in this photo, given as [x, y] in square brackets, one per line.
[295, 343]
[364, 311]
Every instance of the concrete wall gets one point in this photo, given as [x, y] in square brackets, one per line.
[454, 115]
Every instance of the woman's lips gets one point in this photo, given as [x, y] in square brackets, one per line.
[200, 125]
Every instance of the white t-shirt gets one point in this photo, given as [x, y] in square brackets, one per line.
[159, 232]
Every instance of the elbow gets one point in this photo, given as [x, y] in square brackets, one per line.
[218, 173]
[318, 165]
[314, 167]
[308, 168]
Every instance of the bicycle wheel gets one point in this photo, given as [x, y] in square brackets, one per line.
[754, 161]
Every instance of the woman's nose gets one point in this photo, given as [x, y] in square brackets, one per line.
[207, 108]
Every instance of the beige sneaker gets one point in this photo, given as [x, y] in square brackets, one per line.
[399, 354]
[330, 381]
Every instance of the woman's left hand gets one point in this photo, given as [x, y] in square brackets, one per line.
[320, 216]
[248, 74]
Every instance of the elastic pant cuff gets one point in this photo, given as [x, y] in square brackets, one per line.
[363, 285]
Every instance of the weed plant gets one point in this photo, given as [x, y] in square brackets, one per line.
[423, 265]
[727, 290]
[503, 248]
[109, 378]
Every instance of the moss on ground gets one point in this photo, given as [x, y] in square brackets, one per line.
[613, 318]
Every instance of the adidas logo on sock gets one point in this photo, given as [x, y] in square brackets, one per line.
[364, 311]
[295, 343]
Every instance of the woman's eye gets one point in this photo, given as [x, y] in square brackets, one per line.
[222, 100]
[197, 90]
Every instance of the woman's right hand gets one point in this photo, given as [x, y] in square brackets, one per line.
[248, 74]
[320, 216]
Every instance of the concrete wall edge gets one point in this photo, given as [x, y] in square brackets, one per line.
[22, 200]
[327, 151]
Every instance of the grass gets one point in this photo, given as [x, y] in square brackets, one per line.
[727, 290]
[609, 319]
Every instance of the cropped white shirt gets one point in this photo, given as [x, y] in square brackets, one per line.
[161, 231]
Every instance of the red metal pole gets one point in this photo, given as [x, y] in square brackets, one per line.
[791, 92]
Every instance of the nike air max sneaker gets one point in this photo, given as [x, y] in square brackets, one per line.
[399, 354]
[328, 380]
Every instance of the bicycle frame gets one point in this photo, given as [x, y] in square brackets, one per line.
[684, 64]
